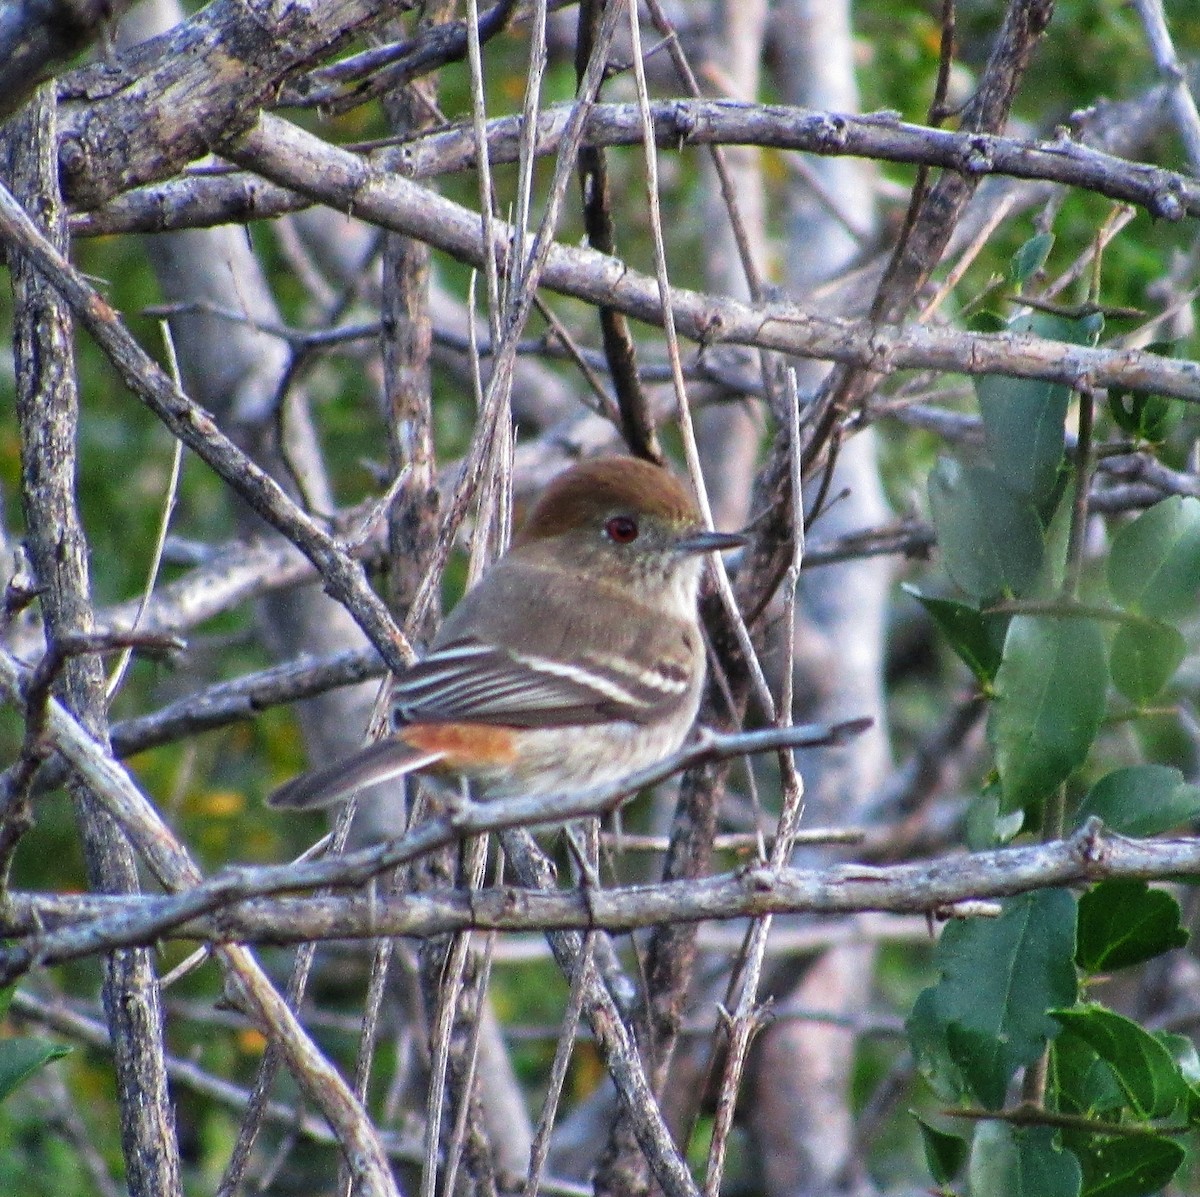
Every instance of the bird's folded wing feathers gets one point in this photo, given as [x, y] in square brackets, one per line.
[528, 647]
[473, 682]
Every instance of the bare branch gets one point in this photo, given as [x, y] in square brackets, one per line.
[217, 198]
[196, 429]
[48, 414]
[37, 35]
[62, 925]
[248, 985]
[344, 181]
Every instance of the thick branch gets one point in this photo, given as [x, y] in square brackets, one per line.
[168, 101]
[200, 896]
[65, 923]
[344, 181]
[213, 199]
[48, 417]
[38, 35]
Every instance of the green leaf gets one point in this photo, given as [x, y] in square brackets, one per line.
[1150, 1079]
[1124, 922]
[1011, 1161]
[945, 1153]
[1141, 800]
[987, 320]
[988, 1015]
[1143, 658]
[1154, 566]
[991, 539]
[1050, 692]
[1127, 1167]
[1031, 257]
[1141, 414]
[20, 1058]
[1183, 1051]
[1082, 1083]
[1024, 419]
[986, 828]
[1024, 422]
[927, 1037]
[1056, 519]
[976, 637]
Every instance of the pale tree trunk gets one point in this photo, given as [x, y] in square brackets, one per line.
[799, 1108]
[729, 433]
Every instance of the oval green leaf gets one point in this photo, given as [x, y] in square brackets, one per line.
[1031, 257]
[991, 539]
[977, 637]
[1187, 1060]
[1150, 1079]
[1082, 1082]
[1120, 1167]
[1144, 657]
[20, 1058]
[945, 1153]
[1154, 566]
[1148, 417]
[1050, 694]
[986, 828]
[988, 1015]
[1024, 422]
[1024, 419]
[1124, 922]
[1141, 800]
[1021, 1162]
[926, 1031]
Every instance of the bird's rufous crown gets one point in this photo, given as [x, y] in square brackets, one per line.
[605, 486]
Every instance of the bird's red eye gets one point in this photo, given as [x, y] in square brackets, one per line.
[621, 529]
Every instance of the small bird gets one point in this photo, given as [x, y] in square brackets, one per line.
[575, 661]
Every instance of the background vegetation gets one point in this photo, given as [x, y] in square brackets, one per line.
[966, 320]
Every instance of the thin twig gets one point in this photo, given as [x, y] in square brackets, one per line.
[113, 790]
[164, 524]
[273, 1057]
[479, 124]
[566, 1035]
[196, 429]
[747, 1017]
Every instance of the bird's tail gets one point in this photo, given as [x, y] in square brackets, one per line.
[382, 761]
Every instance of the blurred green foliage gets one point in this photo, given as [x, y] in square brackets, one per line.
[210, 791]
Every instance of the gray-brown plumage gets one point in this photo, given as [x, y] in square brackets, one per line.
[576, 660]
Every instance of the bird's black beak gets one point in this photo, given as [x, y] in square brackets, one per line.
[710, 542]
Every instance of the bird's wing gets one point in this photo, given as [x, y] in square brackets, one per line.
[468, 681]
[523, 649]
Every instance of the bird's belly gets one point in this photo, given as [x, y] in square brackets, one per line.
[561, 761]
